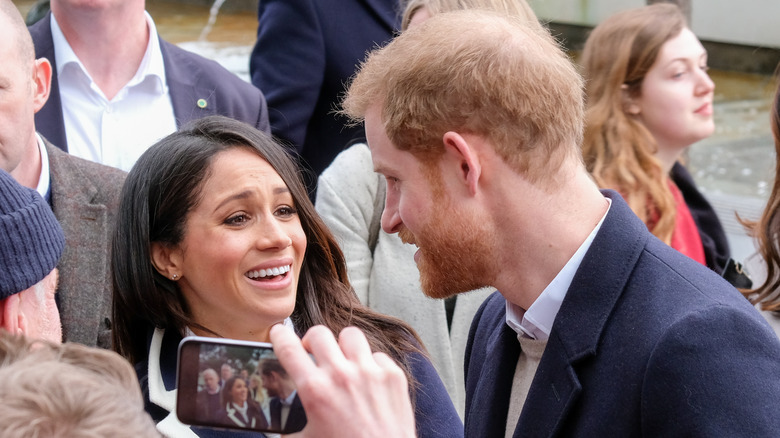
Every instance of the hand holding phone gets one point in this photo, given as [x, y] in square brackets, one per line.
[349, 391]
[231, 384]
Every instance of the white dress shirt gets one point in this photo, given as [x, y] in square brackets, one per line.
[44, 179]
[537, 321]
[113, 132]
[286, 404]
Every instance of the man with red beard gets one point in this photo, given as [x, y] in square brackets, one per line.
[598, 328]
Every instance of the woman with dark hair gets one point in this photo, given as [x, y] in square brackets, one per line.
[767, 231]
[649, 98]
[216, 236]
[238, 409]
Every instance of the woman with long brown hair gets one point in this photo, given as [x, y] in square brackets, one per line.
[767, 232]
[216, 236]
[649, 98]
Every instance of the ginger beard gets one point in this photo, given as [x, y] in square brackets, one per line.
[455, 253]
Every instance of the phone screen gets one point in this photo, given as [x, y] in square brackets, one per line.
[230, 384]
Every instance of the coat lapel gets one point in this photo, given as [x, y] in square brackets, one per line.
[85, 224]
[581, 320]
[49, 120]
[190, 100]
[491, 396]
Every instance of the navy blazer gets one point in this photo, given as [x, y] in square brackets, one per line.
[306, 52]
[646, 343]
[190, 77]
[296, 419]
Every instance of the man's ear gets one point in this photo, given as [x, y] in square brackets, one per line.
[462, 152]
[629, 103]
[167, 260]
[41, 78]
[11, 317]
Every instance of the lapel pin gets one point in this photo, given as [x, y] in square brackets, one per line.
[202, 103]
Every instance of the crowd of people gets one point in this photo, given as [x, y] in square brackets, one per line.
[265, 398]
[444, 226]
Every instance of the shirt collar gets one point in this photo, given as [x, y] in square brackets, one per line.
[44, 180]
[152, 65]
[290, 398]
[537, 321]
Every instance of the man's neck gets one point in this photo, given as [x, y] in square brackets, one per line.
[110, 43]
[286, 391]
[28, 172]
[548, 228]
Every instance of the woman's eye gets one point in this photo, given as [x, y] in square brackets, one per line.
[286, 211]
[237, 219]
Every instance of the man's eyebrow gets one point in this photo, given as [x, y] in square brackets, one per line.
[381, 169]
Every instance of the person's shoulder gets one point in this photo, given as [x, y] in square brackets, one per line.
[66, 167]
[671, 272]
[205, 69]
[356, 158]
[40, 28]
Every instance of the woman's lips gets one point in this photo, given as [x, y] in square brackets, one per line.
[705, 110]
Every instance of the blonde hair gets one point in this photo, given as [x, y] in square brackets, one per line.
[517, 8]
[480, 73]
[68, 390]
[618, 149]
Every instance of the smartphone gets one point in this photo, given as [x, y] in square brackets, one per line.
[238, 385]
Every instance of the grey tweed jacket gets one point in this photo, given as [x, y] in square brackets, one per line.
[85, 200]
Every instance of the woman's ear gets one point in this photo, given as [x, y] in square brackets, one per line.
[630, 105]
[167, 260]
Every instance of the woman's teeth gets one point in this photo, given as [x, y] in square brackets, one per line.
[271, 272]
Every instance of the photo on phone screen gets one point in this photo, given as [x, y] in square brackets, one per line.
[230, 384]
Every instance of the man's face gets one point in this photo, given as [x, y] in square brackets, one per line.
[226, 372]
[270, 384]
[455, 248]
[17, 105]
[211, 380]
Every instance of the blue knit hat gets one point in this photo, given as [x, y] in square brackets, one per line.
[31, 239]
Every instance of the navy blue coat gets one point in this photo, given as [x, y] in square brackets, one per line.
[305, 54]
[646, 343]
[296, 419]
[190, 77]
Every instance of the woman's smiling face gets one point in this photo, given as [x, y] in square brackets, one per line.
[243, 248]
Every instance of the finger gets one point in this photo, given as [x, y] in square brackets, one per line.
[391, 367]
[291, 353]
[355, 345]
[319, 340]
